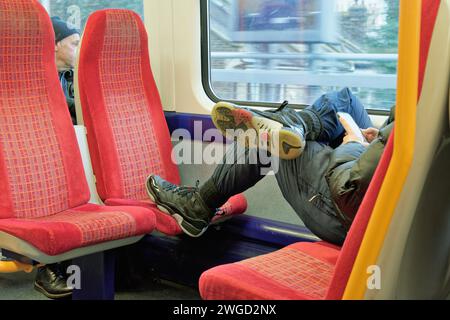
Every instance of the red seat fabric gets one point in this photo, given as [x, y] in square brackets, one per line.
[127, 132]
[164, 222]
[80, 227]
[302, 271]
[430, 9]
[42, 179]
[38, 145]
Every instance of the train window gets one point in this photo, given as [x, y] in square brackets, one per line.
[267, 51]
[76, 12]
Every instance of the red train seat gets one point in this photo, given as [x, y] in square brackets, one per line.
[44, 210]
[127, 132]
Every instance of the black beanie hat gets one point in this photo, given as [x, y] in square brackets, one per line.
[62, 29]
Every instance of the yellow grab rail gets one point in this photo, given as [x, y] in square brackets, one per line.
[14, 266]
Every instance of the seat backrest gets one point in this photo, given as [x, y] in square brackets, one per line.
[355, 237]
[127, 131]
[41, 172]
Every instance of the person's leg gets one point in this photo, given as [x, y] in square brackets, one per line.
[327, 107]
[302, 183]
[318, 122]
[51, 280]
[193, 207]
[240, 170]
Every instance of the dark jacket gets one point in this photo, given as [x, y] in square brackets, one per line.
[351, 169]
[66, 79]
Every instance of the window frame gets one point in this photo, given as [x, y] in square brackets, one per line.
[206, 69]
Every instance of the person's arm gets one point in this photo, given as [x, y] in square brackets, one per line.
[350, 172]
[72, 109]
[66, 80]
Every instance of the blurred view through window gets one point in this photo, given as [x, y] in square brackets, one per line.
[275, 50]
[76, 12]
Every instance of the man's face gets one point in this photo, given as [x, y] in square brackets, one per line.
[66, 50]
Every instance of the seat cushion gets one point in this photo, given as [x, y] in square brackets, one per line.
[80, 227]
[302, 271]
[164, 222]
[168, 225]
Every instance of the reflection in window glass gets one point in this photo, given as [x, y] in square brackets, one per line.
[76, 12]
[275, 50]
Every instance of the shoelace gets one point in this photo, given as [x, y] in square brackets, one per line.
[183, 191]
[282, 107]
[57, 271]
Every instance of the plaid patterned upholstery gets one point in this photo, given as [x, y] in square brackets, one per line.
[127, 131]
[32, 155]
[80, 227]
[95, 227]
[128, 137]
[294, 269]
[164, 222]
[43, 192]
[40, 163]
[300, 271]
[126, 103]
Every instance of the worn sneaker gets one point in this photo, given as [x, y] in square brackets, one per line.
[183, 203]
[282, 132]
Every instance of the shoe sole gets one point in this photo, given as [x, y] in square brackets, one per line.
[228, 117]
[37, 287]
[184, 225]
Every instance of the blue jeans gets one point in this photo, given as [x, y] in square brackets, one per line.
[339, 101]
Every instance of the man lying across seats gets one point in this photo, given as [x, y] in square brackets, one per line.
[323, 169]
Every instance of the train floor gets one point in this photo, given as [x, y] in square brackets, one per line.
[19, 286]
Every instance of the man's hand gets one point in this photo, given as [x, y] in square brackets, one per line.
[352, 138]
[370, 134]
[351, 135]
